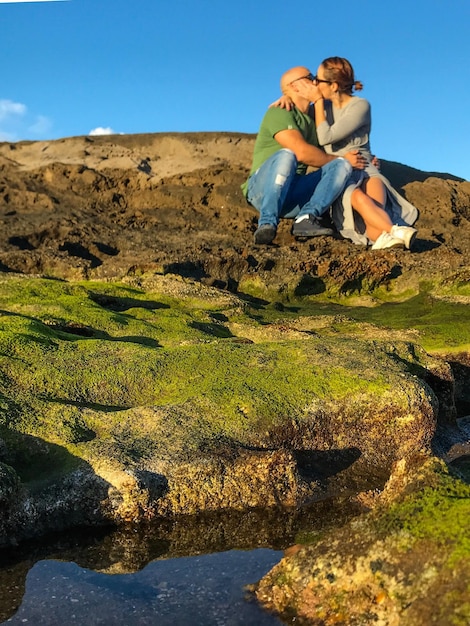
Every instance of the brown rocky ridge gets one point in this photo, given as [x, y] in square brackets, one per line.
[100, 207]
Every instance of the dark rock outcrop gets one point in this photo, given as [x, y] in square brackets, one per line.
[104, 207]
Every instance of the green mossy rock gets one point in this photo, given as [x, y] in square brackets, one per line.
[160, 396]
[408, 562]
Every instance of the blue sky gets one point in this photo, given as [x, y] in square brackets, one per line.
[71, 67]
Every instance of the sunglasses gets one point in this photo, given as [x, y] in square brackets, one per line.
[320, 80]
[308, 77]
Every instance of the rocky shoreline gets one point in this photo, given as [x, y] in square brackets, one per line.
[155, 363]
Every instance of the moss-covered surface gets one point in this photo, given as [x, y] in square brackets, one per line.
[156, 373]
[73, 356]
[405, 563]
[436, 315]
[437, 513]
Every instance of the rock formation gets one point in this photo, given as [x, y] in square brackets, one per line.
[155, 362]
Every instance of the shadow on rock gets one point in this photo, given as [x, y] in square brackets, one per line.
[43, 487]
[119, 305]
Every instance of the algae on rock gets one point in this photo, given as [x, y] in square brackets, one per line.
[407, 562]
[172, 397]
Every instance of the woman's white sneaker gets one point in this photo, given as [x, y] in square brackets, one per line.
[387, 240]
[407, 233]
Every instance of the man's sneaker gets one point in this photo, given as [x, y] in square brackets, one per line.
[407, 233]
[265, 234]
[309, 226]
[387, 240]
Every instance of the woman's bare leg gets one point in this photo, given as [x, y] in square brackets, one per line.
[375, 189]
[375, 218]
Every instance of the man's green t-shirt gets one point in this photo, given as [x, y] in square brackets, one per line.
[275, 120]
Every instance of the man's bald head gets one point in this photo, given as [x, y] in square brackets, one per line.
[295, 73]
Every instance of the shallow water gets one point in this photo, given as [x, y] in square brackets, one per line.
[190, 570]
[200, 590]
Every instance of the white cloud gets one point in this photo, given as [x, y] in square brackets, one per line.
[102, 131]
[9, 108]
[13, 1]
[17, 122]
[41, 126]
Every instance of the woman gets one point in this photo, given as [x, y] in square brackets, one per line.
[370, 210]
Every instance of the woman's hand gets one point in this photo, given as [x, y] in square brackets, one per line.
[284, 102]
[308, 90]
[357, 160]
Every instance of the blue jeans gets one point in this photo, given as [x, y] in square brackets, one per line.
[276, 190]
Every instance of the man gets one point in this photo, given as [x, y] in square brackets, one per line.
[278, 185]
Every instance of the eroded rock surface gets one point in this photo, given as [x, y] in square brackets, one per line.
[169, 394]
[89, 207]
[124, 404]
[405, 563]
